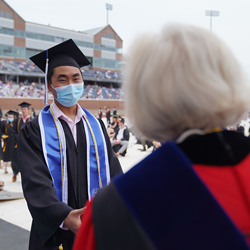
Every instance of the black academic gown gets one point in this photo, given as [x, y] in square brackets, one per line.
[108, 116]
[8, 143]
[46, 210]
[161, 203]
[18, 125]
[1, 149]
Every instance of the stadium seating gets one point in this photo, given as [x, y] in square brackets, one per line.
[14, 66]
[37, 90]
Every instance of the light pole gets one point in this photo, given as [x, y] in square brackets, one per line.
[212, 13]
[108, 7]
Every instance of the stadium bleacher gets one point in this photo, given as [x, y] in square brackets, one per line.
[14, 66]
[37, 90]
[33, 89]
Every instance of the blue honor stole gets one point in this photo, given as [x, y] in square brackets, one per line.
[54, 151]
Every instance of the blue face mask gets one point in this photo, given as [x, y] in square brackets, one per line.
[10, 119]
[69, 95]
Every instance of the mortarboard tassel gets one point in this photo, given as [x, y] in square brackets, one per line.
[46, 84]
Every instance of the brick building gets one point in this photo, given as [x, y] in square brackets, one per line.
[20, 40]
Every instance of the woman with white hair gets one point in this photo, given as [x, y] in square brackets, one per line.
[194, 191]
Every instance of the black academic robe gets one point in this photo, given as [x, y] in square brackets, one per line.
[192, 195]
[108, 115]
[1, 153]
[18, 125]
[124, 138]
[8, 143]
[116, 128]
[46, 210]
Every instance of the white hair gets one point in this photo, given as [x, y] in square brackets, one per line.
[183, 78]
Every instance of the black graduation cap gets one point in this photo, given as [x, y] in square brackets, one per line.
[11, 112]
[24, 105]
[64, 54]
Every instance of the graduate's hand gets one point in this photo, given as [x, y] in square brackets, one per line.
[73, 220]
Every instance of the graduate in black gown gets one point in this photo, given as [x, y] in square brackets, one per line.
[7, 134]
[18, 124]
[1, 150]
[64, 153]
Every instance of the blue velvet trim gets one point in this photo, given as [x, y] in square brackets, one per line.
[53, 150]
[174, 207]
[101, 145]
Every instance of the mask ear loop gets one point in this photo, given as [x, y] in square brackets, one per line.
[46, 82]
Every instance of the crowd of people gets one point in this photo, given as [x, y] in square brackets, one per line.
[15, 66]
[118, 132]
[100, 92]
[10, 125]
[183, 87]
[26, 89]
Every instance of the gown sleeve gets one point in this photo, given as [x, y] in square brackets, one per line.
[85, 238]
[114, 164]
[15, 132]
[2, 129]
[45, 208]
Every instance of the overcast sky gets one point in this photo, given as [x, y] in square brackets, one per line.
[132, 17]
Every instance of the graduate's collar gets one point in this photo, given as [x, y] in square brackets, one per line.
[190, 132]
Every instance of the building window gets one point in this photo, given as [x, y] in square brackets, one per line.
[12, 51]
[6, 15]
[106, 63]
[104, 47]
[6, 31]
[40, 37]
[119, 50]
[84, 44]
[90, 60]
[109, 36]
[107, 48]
[59, 39]
[19, 33]
[31, 52]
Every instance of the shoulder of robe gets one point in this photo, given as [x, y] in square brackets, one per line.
[31, 126]
[102, 124]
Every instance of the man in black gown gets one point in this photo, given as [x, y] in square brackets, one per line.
[63, 123]
[18, 124]
[8, 138]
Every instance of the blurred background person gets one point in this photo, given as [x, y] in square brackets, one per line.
[2, 122]
[121, 139]
[18, 125]
[114, 111]
[33, 113]
[193, 191]
[7, 132]
[114, 124]
[100, 113]
[108, 114]
[1, 185]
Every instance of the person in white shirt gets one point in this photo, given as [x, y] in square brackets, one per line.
[121, 138]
